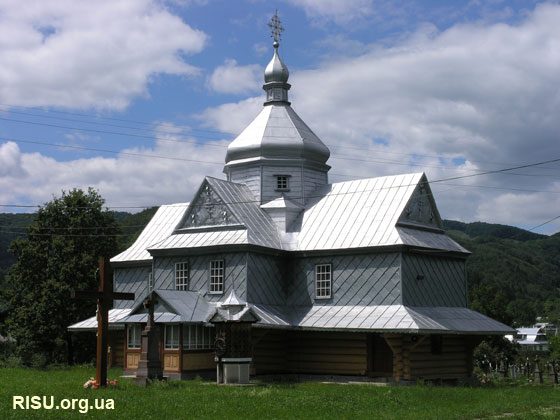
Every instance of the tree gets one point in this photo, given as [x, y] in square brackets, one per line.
[60, 252]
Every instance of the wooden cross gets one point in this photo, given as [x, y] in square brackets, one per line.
[276, 27]
[104, 296]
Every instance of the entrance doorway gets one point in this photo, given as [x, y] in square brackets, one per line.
[379, 357]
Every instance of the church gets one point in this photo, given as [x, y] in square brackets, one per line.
[353, 278]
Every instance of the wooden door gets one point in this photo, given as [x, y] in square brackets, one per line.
[380, 357]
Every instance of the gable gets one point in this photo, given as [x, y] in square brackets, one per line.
[207, 209]
[421, 208]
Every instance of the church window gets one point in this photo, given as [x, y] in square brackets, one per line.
[198, 337]
[282, 182]
[217, 276]
[182, 276]
[134, 334]
[323, 281]
[172, 337]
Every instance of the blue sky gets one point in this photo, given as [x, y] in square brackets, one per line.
[448, 88]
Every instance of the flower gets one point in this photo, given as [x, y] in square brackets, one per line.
[93, 384]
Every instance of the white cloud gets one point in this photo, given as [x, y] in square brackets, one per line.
[10, 161]
[339, 11]
[84, 54]
[234, 79]
[232, 118]
[261, 49]
[487, 93]
[141, 179]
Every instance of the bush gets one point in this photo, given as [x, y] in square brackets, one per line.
[7, 349]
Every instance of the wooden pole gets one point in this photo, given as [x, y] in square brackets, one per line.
[104, 295]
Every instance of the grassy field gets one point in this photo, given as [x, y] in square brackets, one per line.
[200, 400]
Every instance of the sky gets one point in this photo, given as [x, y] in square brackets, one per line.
[140, 98]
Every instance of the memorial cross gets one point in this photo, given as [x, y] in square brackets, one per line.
[104, 295]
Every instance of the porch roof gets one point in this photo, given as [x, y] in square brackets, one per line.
[382, 318]
[115, 317]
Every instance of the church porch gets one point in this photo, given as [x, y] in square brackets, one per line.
[183, 349]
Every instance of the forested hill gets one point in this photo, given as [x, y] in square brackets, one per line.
[13, 226]
[477, 229]
[514, 274]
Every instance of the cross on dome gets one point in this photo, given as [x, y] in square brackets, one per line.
[276, 27]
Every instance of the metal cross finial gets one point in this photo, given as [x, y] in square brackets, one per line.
[276, 27]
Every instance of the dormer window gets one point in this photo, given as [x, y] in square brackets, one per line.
[282, 182]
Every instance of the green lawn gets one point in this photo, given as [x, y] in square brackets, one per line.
[198, 400]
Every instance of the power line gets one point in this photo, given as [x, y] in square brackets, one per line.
[96, 116]
[112, 118]
[221, 163]
[432, 166]
[342, 157]
[72, 235]
[109, 151]
[441, 180]
[154, 130]
[117, 133]
[545, 223]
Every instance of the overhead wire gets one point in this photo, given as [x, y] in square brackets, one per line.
[113, 118]
[67, 146]
[190, 135]
[343, 157]
[174, 126]
[545, 223]
[441, 180]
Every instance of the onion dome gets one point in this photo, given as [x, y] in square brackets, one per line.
[277, 132]
[276, 77]
[276, 71]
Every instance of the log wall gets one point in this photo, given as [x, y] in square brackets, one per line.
[116, 341]
[414, 357]
[309, 352]
[193, 361]
[337, 353]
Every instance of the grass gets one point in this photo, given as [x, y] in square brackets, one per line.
[199, 400]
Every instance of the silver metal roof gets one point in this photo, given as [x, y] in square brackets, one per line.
[190, 307]
[159, 228]
[276, 71]
[256, 227]
[232, 300]
[277, 133]
[387, 318]
[115, 316]
[174, 306]
[364, 213]
[344, 215]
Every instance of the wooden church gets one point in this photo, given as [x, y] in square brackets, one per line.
[352, 278]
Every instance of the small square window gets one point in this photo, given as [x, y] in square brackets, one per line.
[323, 281]
[217, 277]
[282, 182]
[182, 276]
